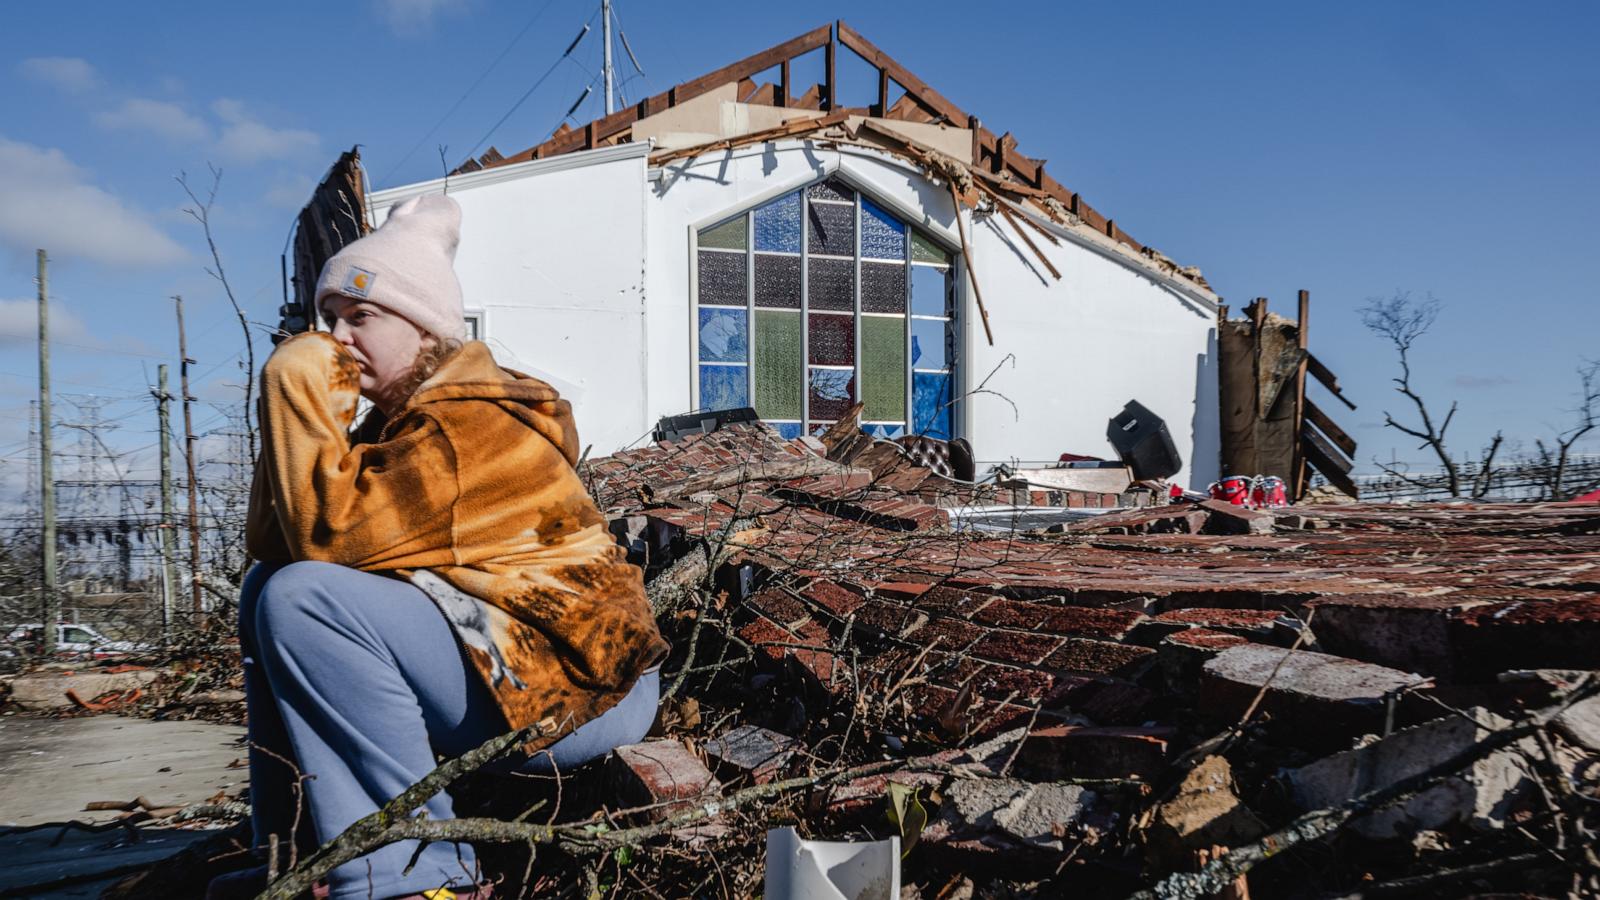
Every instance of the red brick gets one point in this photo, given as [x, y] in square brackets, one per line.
[1023, 686]
[780, 607]
[1100, 658]
[837, 600]
[662, 774]
[949, 634]
[1017, 647]
[1110, 623]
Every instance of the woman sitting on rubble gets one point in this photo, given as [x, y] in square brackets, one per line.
[433, 579]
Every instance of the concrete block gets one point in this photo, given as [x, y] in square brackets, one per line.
[1182, 655]
[1481, 797]
[1312, 699]
[48, 690]
[1225, 518]
[663, 774]
[999, 815]
[750, 751]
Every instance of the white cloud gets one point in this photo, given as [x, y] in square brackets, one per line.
[47, 201]
[247, 139]
[412, 16]
[168, 120]
[19, 323]
[67, 73]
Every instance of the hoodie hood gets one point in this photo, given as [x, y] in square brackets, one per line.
[472, 374]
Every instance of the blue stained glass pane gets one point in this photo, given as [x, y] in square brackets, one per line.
[928, 291]
[788, 430]
[778, 225]
[724, 387]
[885, 432]
[882, 235]
[724, 336]
[928, 347]
[930, 410]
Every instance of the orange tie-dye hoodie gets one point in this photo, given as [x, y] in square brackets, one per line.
[470, 492]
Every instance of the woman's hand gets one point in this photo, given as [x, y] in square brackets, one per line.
[312, 364]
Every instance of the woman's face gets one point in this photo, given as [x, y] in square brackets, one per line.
[384, 343]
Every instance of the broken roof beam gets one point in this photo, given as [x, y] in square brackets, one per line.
[1325, 375]
[608, 126]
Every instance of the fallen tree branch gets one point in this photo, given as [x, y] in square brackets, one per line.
[368, 833]
[781, 470]
[1321, 823]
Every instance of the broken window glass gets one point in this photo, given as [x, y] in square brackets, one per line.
[929, 291]
[832, 393]
[723, 336]
[930, 403]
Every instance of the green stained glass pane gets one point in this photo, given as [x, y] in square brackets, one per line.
[883, 368]
[922, 250]
[730, 235]
[779, 364]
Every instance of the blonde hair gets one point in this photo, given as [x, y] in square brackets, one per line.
[435, 351]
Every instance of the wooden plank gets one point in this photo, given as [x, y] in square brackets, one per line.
[883, 93]
[732, 73]
[783, 79]
[913, 85]
[1302, 477]
[1330, 428]
[1325, 375]
[1329, 470]
[829, 64]
[1310, 437]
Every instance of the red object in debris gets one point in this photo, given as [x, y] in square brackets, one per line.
[1175, 493]
[1591, 497]
[1235, 489]
[1269, 493]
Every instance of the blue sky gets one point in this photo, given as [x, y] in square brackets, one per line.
[1351, 149]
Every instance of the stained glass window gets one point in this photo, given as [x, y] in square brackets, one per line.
[820, 299]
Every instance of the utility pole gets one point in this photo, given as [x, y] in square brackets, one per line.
[188, 451]
[47, 488]
[610, 72]
[169, 536]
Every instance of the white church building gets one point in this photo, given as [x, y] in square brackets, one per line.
[736, 242]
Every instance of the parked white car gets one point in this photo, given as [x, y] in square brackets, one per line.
[70, 638]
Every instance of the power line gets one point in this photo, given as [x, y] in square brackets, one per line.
[459, 100]
[520, 100]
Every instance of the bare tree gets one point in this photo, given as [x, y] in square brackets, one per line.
[201, 212]
[1401, 321]
[1554, 457]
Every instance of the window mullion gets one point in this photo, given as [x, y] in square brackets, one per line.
[750, 304]
[856, 315]
[805, 311]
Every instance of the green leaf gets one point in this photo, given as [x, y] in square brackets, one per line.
[623, 855]
[907, 814]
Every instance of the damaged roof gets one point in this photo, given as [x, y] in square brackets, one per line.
[920, 124]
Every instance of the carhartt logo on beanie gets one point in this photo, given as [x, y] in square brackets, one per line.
[407, 266]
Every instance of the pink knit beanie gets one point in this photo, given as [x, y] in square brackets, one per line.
[407, 266]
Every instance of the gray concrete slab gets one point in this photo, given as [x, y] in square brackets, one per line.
[81, 864]
[50, 768]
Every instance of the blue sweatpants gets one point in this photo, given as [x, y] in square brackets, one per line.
[357, 680]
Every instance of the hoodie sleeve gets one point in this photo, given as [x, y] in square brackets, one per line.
[370, 506]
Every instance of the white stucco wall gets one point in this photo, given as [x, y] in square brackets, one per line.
[582, 267]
